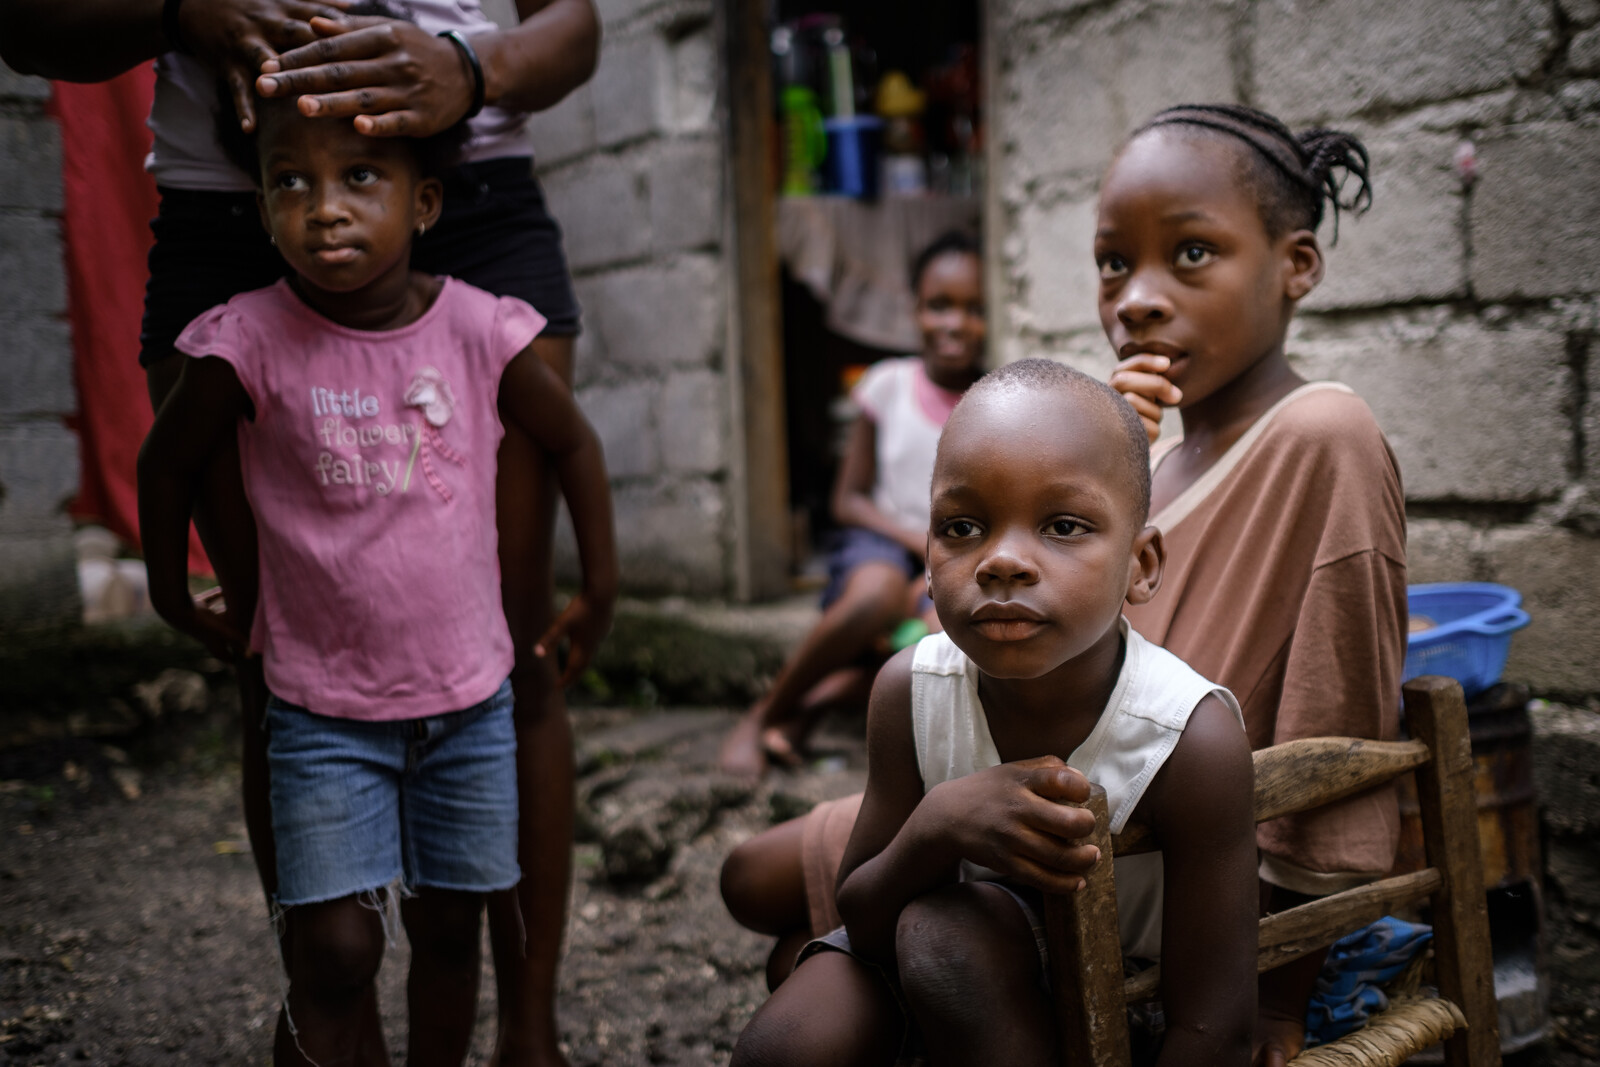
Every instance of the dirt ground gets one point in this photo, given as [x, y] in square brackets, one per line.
[132, 930]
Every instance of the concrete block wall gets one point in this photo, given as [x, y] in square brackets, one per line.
[1464, 311]
[38, 454]
[632, 165]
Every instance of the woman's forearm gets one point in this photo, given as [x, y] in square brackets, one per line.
[533, 65]
[80, 40]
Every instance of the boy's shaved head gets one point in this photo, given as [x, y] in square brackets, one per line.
[1041, 375]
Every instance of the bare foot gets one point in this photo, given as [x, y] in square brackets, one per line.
[741, 754]
[781, 749]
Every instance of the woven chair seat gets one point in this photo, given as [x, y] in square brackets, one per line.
[1406, 1027]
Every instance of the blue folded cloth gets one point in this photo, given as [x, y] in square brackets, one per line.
[1358, 964]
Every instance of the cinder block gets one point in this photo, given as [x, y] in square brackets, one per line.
[692, 417]
[31, 272]
[604, 209]
[624, 417]
[30, 163]
[1444, 550]
[671, 539]
[25, 87]
[1070, 97]
[1317, 61]
[1583, 54]
[1055, 268]
[566, 131]
[1534, 209]
[686, 195]
[1018, 10]
[1591, 423]
[662, 315]
[36, 370]
[1472, 413]
[1409, 247]
[695, 67]
[39, 580]
[630, 88]
[38, 475]
[1566, 759]
[1581, 12]
[1558, 573]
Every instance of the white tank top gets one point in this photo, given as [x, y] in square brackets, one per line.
[185, 153]
[1147, 713]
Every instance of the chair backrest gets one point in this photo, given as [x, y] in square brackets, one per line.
[1086, 959]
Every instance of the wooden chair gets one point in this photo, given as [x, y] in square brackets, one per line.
[1086, 960]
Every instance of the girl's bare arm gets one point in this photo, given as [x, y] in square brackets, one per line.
[539, 404]
[206, 403]
[852, 490]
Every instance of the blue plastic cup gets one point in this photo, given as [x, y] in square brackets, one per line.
[851, 167]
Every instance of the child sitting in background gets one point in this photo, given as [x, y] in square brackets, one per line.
[1281, 502]
[368, 402]
[1037, 539]
[880, 500]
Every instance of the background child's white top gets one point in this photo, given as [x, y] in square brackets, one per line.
[1140, 726]
[908, 412]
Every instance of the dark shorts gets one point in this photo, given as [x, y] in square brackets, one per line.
[495, 233]
[852, 546]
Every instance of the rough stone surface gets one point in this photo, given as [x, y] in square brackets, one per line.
[692, 418]
[694, 63]
[39, 578]
[1315, 61]
[686, 195]
[1558, 573]
[1070, 99]
[1591, 422]
[664, 314]
[1443, 550]
[1583, 53]
[624, 417]
[36, 373]
[1533, 212]
[1410, 245]
[1057, 267]
[629, 96]
[1484, 389]
[1566, 766]
[25, 87]
[38, 474]
[1581, 12]
[31, 271]
[602, 205]
[672, 538]
[30, 163]
[565, 131]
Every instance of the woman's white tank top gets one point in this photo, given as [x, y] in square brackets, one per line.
[1140, 726]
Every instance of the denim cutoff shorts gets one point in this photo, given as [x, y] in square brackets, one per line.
[428, 803]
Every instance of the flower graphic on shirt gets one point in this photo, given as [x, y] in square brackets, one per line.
[430, 394]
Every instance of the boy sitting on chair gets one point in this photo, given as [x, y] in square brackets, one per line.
[1037, 537]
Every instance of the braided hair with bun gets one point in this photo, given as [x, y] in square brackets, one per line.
[1293, 174]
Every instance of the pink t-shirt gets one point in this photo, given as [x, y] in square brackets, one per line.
[370, 465]
[908, 412]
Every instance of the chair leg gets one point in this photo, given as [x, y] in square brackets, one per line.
[1437, 715]
[1086, 959]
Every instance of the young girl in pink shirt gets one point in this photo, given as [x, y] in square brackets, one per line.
[368, 400]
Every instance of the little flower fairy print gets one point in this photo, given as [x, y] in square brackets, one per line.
[430, 394]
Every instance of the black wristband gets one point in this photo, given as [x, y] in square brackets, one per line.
[169, 26]
[457, 38]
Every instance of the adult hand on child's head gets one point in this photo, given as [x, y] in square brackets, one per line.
[1139, 379]
[394, 77]
[235, 37]
[1278, 1040]
[585, 621]
[1022, 820]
